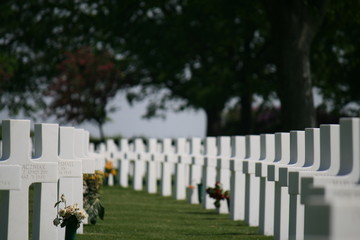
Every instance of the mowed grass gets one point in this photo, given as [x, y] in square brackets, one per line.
[138, 215]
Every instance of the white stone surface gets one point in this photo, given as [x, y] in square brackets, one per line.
[15, 203]
[223, 168]
[237, 178]
[209, 170]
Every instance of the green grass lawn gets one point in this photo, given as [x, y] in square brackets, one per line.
[138, 215]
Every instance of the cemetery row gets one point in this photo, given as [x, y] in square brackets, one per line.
[55, 166]
[294, 185]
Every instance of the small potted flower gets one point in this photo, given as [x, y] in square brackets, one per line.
[218, 194]
[110, 173]
[92, 204]
[190, 192]
[70, 217]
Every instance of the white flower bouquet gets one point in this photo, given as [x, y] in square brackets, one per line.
[69, 215]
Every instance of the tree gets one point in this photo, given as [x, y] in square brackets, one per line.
[33, 37]
[86, 82]
[294, 25]
[336, 56]
[205, 55]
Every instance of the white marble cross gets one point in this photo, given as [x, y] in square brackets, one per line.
[69, 186]
[266, 191]
[88, 165]
[166, 159]
[139, 164]
[334, 214]
[46, 194]
[100, 155]
[312, 164]
[223, 168]
[112, 152]
[124, 163]
[252, 183]
[16, 143]
[237, 178]
[81, 141]
[209, 170]
[180, 174]
[151, 184]
[282, 157]
[194, 171]
[327, 164]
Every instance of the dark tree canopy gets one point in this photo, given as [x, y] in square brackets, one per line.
[204, 53]
[85, 84]
[336, 58]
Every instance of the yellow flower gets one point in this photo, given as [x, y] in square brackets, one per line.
[108, 165]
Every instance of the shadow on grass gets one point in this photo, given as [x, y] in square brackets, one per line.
[202, 213]
[222, 234]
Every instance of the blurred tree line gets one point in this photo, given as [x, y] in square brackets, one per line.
[72, 57]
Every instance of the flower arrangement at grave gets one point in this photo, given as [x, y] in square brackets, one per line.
[70, 217]
[218, 193]
[92, 205]
[109, 170]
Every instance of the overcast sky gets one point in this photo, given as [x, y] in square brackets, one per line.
[127, 122]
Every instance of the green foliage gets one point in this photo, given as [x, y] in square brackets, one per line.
[207, 54]
[218, 193]
[86, 82]
[336, 57]
[92, 203]
[204, 53]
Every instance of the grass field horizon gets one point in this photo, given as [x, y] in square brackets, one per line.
[132, 215]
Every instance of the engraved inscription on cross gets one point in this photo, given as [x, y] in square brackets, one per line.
[16, 148]
[71, 187]
[46, 194]
[10, 174]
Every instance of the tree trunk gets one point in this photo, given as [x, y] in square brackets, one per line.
[294, 24]
[246, 113]
[101, 131]
[213, 127]
[246, 92]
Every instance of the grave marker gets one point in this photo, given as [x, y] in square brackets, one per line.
[167, 162]
[151, 184]
[124, 163]
[45, 194]
[180, 159]
[209, 170]
[251, 182]
[267, 188]
[16, 150]
[194, 171]
[139, 164]
[67, 184]
[223, 168]
[237, 179]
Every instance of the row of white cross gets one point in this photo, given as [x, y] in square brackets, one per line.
[294, 185]
[55, 167]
